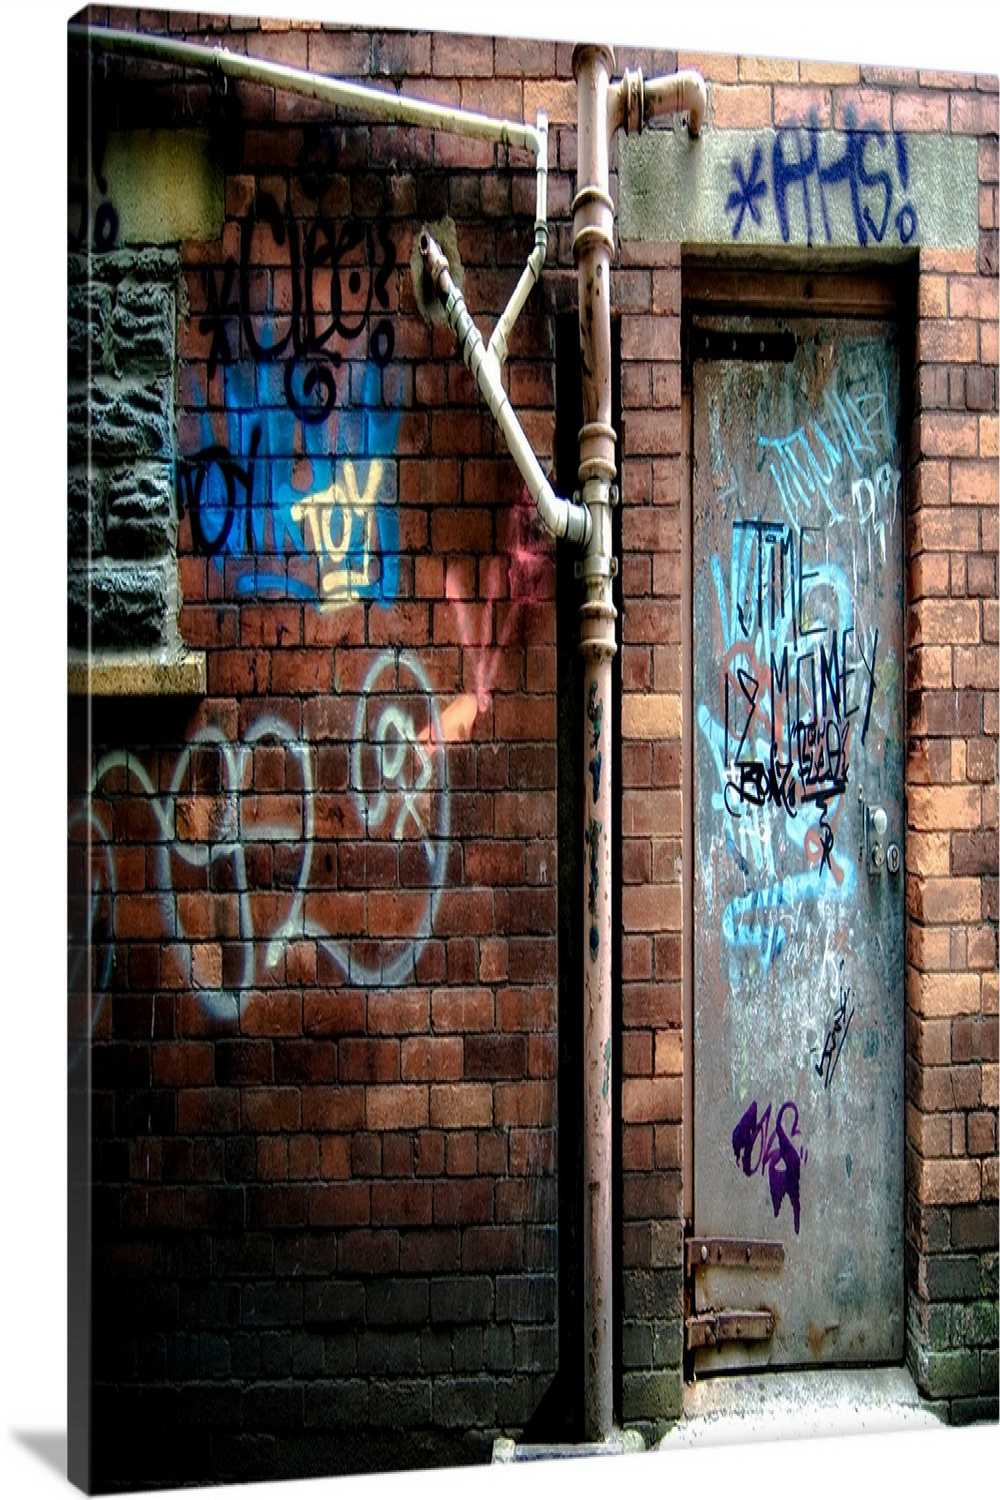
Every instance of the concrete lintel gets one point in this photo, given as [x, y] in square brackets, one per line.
[871, 192]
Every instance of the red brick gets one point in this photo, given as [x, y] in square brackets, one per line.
[426, 1059]
[646, 1100]
[461, 1010]
[746, 107]
[947, 435]
[951, 900]
[920, 111]
[396, 1106]
[404, 1204]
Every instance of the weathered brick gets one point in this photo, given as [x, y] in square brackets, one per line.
[948, 1181]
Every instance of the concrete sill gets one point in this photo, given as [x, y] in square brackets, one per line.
[137, 674]
[507, 1451]
[804, 1404]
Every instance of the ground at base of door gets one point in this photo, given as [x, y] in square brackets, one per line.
[798, 1404]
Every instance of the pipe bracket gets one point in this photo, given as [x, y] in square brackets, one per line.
[596, 567]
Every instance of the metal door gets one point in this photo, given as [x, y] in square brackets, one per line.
[797, 1252]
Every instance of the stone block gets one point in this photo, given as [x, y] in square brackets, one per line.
[89, 314]
[129, 419]
[117, 606]
[142, 326]
[85, 513]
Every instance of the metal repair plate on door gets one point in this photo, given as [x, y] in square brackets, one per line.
[798, 730]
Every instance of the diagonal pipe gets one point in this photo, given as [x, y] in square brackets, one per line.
[562, 518]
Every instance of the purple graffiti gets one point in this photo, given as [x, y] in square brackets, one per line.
[759, 1149]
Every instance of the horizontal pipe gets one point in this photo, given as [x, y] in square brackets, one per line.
[391, 107]
[677, 93]
[562, 518]
[395, 108]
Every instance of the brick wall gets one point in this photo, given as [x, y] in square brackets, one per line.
[951, 848]
[323, 1093]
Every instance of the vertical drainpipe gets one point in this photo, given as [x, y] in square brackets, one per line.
[593, 247]
[602, 109]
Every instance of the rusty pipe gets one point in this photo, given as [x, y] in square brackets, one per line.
[602, 109]
[593, 247]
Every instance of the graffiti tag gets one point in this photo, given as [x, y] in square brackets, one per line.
[806, 174]
[761, 1150]
[252, 499]
[398, 792]
[836, 1034]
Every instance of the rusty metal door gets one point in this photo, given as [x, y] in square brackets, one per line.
[797, 532]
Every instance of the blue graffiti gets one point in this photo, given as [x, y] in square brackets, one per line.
[301, 517]
[808, 165]
[748, 191]
[797, 676]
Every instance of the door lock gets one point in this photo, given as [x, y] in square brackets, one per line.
[876, 852]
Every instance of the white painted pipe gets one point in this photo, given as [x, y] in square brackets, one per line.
[395, 108]
[678, 93]
[562, 518]
[533, 269]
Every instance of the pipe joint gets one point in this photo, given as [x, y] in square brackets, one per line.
[627, 104]
[560, 517]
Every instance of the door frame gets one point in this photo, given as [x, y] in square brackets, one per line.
[778, 286]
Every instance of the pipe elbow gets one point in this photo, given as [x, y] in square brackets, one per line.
[694, 96]
[563, 518]
[679, 93]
